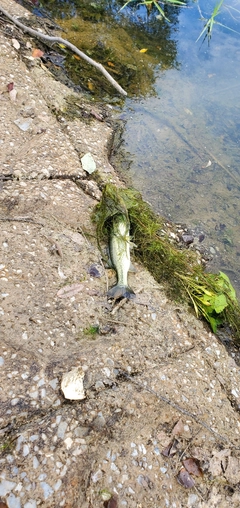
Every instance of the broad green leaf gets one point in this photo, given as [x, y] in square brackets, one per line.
[231, 290]
[214, 322]
[220, 303]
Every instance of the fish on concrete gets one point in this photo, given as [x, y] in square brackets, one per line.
[119, 247]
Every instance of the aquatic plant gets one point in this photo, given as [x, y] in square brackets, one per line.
[154, 3]
[211, 295]
[210, 22]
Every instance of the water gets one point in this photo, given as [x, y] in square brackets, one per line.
[180, 142]
[182, 145]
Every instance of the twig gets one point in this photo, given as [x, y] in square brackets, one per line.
[113, 321]
[20, 219]
[55, 245]
[119, 305]
[68, 44]
[177, 407]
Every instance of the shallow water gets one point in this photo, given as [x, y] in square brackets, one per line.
[183, 144]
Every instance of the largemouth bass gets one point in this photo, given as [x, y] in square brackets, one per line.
[120, 257]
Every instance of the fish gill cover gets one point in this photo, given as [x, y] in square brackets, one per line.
[211, 295]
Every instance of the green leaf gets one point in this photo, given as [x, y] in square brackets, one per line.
[220, 303]
[214, 322]
[230, 288]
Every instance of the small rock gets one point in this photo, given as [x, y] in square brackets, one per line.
[62, 429]
[95, 477]
[23, 125]
[13, 501]
[47, 490]
[72, 384]
[88, 163]
[6, 487]
[187, 239]
[30, 504]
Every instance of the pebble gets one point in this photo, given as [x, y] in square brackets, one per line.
[62, 429]
[47, 490]
[96, 476]
[30, 504]
[6, 487]
[13, 501]
[35, 463]
[53, 383]
[187, 239]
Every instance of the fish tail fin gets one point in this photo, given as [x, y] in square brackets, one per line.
[121, 292]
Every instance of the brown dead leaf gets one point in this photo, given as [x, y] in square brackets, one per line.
[185, 479]
[96, 115]
[70, 290]
[10, 86]
[110, 64]
[171, 449]
[111, 503]
[163, 438]
[193, 466]
[37, 53]
[77, 57]
[178, 428]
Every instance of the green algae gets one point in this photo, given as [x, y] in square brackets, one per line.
[211, 295]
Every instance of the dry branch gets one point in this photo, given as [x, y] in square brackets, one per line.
[68, 44]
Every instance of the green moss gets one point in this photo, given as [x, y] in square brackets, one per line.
[92, 330]
[211, 295]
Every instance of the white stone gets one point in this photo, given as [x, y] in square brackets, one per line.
[13, 501]
[72, 384]
[88, 163]
[31, 504]
[68, 442]
[47, 490]
[6, 487]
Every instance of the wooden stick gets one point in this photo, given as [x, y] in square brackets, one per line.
[68, 44]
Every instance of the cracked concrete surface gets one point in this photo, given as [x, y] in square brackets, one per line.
[56, 452]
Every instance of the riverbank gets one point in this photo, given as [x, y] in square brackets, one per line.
[148, 365]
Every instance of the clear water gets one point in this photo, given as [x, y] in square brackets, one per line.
[182, 145]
